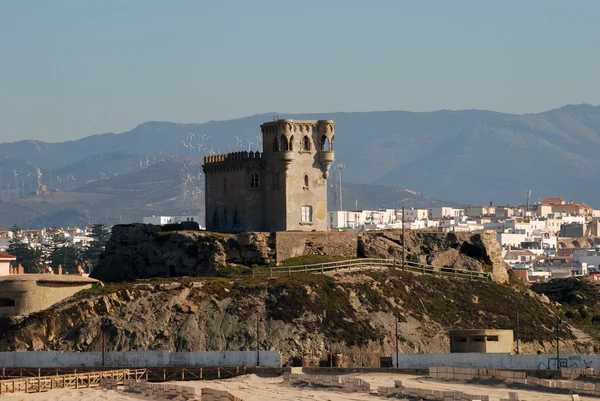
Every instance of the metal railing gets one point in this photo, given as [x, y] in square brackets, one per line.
[368, 263]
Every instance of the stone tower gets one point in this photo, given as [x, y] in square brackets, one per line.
[284, 188]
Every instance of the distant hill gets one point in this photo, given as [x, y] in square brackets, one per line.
[468, 156]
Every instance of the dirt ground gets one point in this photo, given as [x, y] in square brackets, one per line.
[256, 388]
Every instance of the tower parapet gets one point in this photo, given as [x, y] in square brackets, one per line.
[230, 161]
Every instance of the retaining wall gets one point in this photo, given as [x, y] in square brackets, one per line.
[139, 359]
[495, 361]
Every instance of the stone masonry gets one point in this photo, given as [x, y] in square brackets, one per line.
[284, 188]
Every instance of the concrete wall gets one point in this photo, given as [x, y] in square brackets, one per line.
[292, 244]
[495, 361]
[139, 359]
[35, 292]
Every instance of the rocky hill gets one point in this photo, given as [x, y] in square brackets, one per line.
[353, 313]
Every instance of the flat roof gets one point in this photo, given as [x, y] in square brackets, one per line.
[48, 278]
[478, 332]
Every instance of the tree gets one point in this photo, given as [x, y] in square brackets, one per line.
[58, 252]
[99, 235]
[27, 256]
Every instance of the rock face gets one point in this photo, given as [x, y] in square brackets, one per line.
[353, 313]
[137, 251]
[478, 252]
[143, 251]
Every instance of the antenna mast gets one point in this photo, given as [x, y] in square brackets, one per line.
[527, 198]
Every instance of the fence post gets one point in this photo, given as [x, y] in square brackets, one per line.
[289, 271]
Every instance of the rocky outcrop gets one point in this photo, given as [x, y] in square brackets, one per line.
[353, 313]
[471, 251]
[138, 251]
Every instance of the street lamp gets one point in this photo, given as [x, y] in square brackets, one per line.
[103, 324]
[340, 167]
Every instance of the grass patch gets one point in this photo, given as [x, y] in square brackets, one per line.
[312, 259]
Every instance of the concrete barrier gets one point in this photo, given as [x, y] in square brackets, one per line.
[135, 359]
[496, 361]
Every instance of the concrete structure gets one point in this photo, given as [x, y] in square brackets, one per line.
[137, 359]
[441, 212]
[22, 294]
[284, 188]
[485, 341]
[5, 262]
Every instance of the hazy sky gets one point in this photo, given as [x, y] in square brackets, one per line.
[69, 69]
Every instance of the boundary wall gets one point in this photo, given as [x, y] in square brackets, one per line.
[496, 361]
[136, 359]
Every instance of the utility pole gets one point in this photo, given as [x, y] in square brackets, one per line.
[397, 362]
[102, 324]
[257, 341]
[557, 343]
[517, 332]
[403, 242]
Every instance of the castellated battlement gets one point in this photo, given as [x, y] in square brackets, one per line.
[230, 161]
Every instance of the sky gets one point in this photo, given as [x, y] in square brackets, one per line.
[70, 69]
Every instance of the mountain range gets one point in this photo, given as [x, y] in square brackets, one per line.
[468, 156]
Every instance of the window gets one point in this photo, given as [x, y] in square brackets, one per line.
[284, 143]
[291, 144]
[492, 338]
[275, 179]
[254, 183]
[215, 219]
[306, 181]
[305, 143]
[275, 145]
[235, 218]
[325, 144]
[306, 214]
[6, 302]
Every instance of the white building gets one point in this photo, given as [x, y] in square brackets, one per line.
[162, 220]
[415, 214]
[364, 219]
[441, 212]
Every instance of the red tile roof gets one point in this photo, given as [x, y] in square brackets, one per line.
[572, 206]
[6, 256]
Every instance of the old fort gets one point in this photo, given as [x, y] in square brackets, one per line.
[284, 188]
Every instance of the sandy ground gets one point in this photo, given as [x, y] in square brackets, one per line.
[255, 388]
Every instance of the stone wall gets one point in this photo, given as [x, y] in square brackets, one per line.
[292, 244]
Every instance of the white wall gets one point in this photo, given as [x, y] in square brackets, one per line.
[495, 361]
[139, 359]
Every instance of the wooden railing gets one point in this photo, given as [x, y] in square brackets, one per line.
[367, 263]
[68, 381]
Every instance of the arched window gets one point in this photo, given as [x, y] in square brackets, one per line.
[325, 144]
[305, 143]
[284, 143]
[291, 144]
[254, 183]
[235, 218]
[275, 147]
[306, 181]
